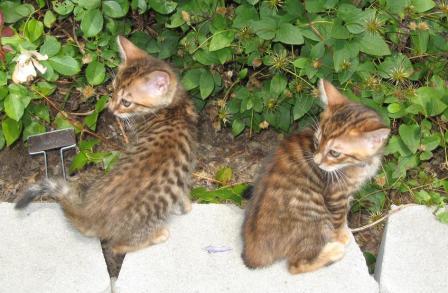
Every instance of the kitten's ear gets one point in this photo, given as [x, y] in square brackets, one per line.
[329, 95]
[129, 51]
[156, 84]
[374, 140]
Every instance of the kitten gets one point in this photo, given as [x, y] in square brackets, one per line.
[301, 200]
[129, 206]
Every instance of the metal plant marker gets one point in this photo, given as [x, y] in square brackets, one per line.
[62, 139]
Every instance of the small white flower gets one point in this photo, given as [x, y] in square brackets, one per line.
[26, 66]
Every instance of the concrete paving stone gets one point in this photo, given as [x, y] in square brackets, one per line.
[413, 256]
[182, 264]
[41, 252]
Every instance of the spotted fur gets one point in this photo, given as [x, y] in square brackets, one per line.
[300, 202]
[130, 205]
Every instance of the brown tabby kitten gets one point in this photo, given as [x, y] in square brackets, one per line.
[300, 202]
[129, 206]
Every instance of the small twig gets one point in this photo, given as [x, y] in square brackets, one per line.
[391, 212]
[75, 38]
[82, 113]
[120, 125]
[206, 178]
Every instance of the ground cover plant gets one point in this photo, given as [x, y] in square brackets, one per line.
[256, 63]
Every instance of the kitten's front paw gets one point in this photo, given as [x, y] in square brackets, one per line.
[343, 236]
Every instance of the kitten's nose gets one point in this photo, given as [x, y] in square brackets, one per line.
[317, 158]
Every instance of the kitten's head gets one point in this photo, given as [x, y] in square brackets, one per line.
[349, 133]
[143, 84]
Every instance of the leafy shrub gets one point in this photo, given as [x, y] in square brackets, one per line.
[260, 60]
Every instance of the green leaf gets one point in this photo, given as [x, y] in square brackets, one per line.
[397, 6]
[206, 84]
[32, 129]
[431, 142]
[95, 73]
[265, 28]
[302, 106]
[89, 4]
[79, 161]
[110, 160]
[422, 197]
[373, 44]
[206, 57]
[14, 107]
[44, 88]
[396, 65]
[40, 110]
[61, 123]
[422, 5]
[289, 34]
[301, 62]
[232, 193]
[237, 127]
[63, 8]
[34, 29]
[91, 120]
[410, 134]
[221, 39]
[190, 80]
[442, 216]
[224, 175]
[49, 19]
[13, 12]
[163, 6]
[65, 65]
[16, 102]
[244, 14]
[430, 99]
[115, 8]
[278, 84]
[92, 23]
[11, 130]
[394, 108]
[50, 47]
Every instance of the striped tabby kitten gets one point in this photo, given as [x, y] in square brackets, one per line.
[301, 200]
[129, 206]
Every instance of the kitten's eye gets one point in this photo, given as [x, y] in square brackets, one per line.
[334, 154]
[125, 103]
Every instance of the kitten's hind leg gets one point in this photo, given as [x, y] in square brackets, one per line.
[159, 236]
[330, 253]
[343, 235]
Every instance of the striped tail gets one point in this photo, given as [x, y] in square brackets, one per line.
[53, 188]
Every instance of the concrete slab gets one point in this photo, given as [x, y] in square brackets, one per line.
[41, 252]
[414, 253]
[183, 265]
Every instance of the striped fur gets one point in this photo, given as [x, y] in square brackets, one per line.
[130, 205]
[300, 202]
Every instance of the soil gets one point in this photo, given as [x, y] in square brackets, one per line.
[217, 149]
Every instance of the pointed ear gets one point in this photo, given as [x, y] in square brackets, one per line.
[155, 84]
[374, 140]
[329, 95]
[129, 51]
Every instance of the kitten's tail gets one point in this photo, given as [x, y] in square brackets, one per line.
[247, 194]
[57, 189]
